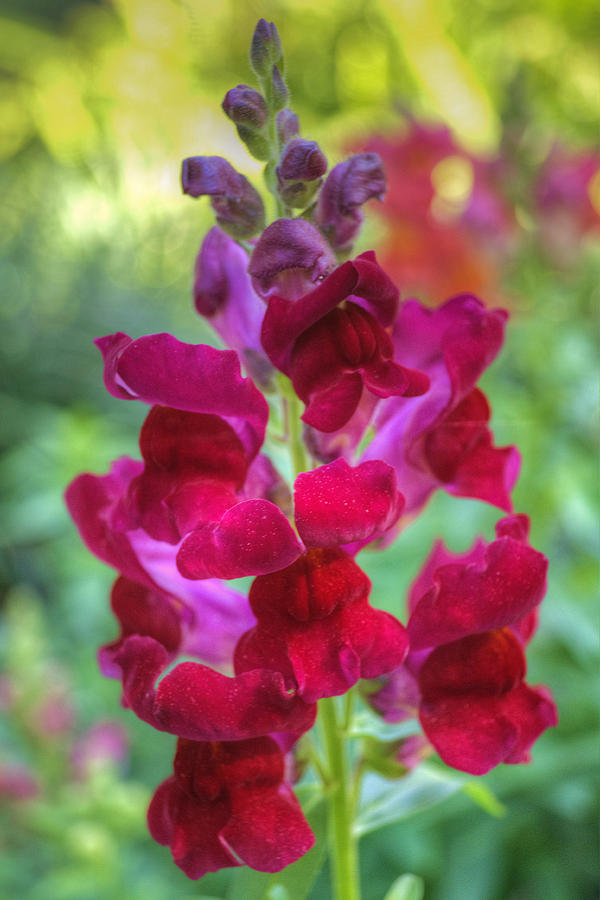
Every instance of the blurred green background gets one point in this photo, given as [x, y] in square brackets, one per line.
[99, 101]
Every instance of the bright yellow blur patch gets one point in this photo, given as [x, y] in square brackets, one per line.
[452, 179]
[448, 81]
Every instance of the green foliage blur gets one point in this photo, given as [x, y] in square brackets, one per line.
[99, 101]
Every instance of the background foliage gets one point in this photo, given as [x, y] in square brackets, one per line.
[99, 101]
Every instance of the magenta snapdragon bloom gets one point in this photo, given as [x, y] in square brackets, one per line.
[333, 343]
[442, 439]
[472, 615]
[228, 804]
[201, 468]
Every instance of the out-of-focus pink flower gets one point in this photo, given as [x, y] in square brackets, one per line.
[450, 223]
[567, 202]
[17, 783]
[104, 742]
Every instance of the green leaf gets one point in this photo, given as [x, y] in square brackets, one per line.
[383, 803]
[407, 887]
[295, 881]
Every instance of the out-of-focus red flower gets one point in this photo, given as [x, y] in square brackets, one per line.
[450, 223]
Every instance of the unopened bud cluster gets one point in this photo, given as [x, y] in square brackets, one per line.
[295, 166]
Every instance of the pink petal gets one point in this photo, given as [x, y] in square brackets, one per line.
[336, 504]
[479, 597]
[252, 538]
[159, 369]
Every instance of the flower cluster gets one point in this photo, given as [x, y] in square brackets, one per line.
[392, 412]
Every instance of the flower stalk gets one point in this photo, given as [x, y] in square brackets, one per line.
[343, 848]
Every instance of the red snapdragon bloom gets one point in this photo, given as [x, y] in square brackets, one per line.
[475, 707]
[316, 627]
[228, 804]
[471, 616]
[333, 344]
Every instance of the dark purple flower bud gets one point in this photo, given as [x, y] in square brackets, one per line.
[245, 106]
[238, 206]
[288, 126]
[301, 161]
[290, 257]
[279, 90]
[299, 172]
[349, 184]
[265, 50]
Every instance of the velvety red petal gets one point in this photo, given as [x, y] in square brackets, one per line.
[488, 473]
[91, 501]
[252, 538]
[140, 610]
[488, 664]
[160, 370]
[328, 410]
[469, 732]
[199, 704]
[191, 829]
[533, 710]
[336, 504]
[479, 597]
[285, 321]
[272, 840]
[441, 556]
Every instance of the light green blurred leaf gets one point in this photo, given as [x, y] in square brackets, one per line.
[407, 887]
[368, 725]
[384, 803]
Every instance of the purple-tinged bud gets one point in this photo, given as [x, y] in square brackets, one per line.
[245, 106]
[238, 206]
[288, 126]
[299, 172]
[301, 161]
[266, 49]
[289, 259]
[349, 184]
[280, 93]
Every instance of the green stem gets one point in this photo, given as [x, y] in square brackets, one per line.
[294, 428]
[342, 843]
